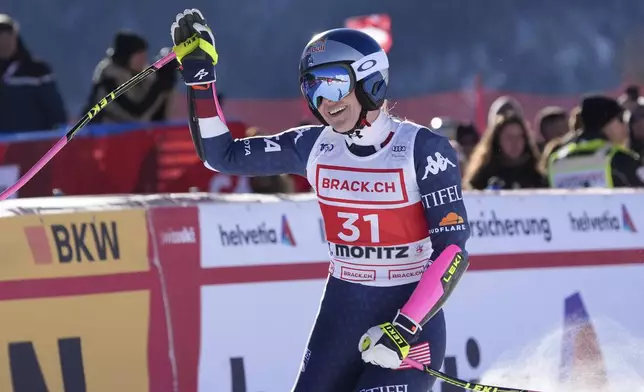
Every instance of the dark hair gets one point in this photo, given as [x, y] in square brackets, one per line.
[488, 151]
[632, 92]
[466, 129]
[124, 45]
[549, 115]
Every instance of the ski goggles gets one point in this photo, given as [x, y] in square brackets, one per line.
[333, 82]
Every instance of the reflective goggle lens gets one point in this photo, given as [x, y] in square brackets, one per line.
[332, 82]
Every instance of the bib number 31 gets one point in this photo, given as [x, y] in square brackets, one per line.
[352, 233]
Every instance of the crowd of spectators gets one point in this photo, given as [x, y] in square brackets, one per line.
[513, 152]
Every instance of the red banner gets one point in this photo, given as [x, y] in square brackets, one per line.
[159, 159]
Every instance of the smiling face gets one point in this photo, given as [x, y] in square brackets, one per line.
[343, 114]
[512, 141]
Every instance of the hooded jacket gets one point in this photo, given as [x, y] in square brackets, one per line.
[29, 97]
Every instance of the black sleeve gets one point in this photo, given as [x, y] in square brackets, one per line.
[627, 171]
[49, 98]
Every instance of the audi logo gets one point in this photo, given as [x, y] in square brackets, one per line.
[399, 148]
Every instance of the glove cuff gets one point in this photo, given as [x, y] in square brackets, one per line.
[407, 325]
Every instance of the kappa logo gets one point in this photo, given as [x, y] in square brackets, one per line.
[201, 74]
[435, 166]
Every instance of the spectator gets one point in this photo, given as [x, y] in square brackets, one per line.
[29, 97]
[167, 76]
[506, 158]
[631, 98]
[552, 122]
[467, 138]
[636, 130]
[574, 129]
[143, 102]
[574, 119]
[597, 157]
[503, 106]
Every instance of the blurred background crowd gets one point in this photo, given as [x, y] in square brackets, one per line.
[517, 121]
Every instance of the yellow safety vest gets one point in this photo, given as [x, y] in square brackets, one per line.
[585, 164]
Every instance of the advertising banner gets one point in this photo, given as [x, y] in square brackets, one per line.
[546, 222]
[291, 231]
[517, 321]
[95, 343]
[264, 350]
[495, 319]
[244, 234]
[175, 239]
[73, 244]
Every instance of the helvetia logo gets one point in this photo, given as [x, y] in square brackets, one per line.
[287, 234]
[605, 222]
[627, 222]
[260, 235]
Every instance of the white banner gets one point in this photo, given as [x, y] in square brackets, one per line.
[542, 222]
[494, 319]
[243, 234]
[257, 333]
[513, 321]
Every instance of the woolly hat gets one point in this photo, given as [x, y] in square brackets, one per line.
[596, 112]
[126, 43]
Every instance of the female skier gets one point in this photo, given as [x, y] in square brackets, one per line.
[390, 196]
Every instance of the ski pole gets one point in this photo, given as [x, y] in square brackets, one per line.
[136, 79]
[460, 383]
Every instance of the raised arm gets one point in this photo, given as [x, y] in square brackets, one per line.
[287, 152]
[283, 153]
